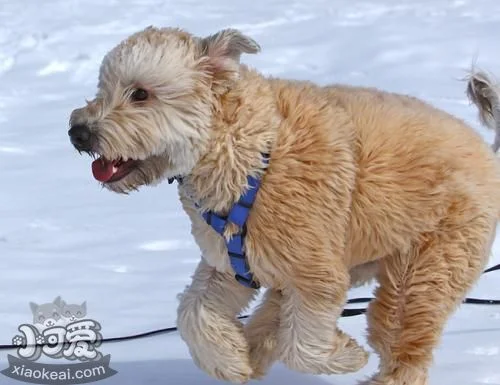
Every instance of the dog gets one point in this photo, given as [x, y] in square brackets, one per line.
[353, 184]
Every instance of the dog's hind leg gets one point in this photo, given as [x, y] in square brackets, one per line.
[418, 292]
[207, 322]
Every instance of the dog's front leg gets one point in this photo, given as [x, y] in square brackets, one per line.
[308, 338]
[262, 333]
[262, 328]
[207, 322]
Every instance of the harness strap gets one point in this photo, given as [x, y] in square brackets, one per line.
[238, 215]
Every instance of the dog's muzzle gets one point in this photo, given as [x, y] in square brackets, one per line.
[81, 137]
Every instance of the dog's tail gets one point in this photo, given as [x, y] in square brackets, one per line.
[484, 91]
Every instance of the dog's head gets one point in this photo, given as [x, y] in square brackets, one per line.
[157, 91]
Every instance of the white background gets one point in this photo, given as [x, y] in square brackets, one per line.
[129, 256]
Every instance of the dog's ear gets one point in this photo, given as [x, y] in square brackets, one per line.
[228, 44]
[222, 52]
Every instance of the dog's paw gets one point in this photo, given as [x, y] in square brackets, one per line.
[231, 368]
[345, 356]
[226, 358]
[263, 353]
[216, 344]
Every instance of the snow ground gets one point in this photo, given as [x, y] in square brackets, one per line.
[128, 257]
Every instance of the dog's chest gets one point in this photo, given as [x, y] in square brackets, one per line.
[222, 238]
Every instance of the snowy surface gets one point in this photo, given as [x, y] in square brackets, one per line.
[128, 257]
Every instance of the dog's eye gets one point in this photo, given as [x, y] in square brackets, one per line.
[139, 95]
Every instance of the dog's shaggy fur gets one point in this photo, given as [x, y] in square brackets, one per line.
[484, 91]
[361, 184]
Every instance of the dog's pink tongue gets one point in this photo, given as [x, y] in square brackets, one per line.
[103, 169]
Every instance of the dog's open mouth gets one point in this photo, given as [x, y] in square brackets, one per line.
[107, 171]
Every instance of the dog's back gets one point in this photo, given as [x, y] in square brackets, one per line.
[413, 161]
[431, 158]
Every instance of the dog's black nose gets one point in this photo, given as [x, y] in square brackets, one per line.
[80, 136]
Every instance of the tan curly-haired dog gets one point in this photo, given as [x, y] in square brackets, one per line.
[359, 182]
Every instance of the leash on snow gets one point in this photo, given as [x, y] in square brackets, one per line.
[345, 313]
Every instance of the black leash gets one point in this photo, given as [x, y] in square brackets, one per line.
[345, 313]
[492, 268]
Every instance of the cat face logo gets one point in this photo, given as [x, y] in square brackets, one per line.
[46, 315]
[58, 330]
[73, 312]
[56, 313]
[66, 330]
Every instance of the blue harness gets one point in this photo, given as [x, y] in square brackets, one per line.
[238, 214]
